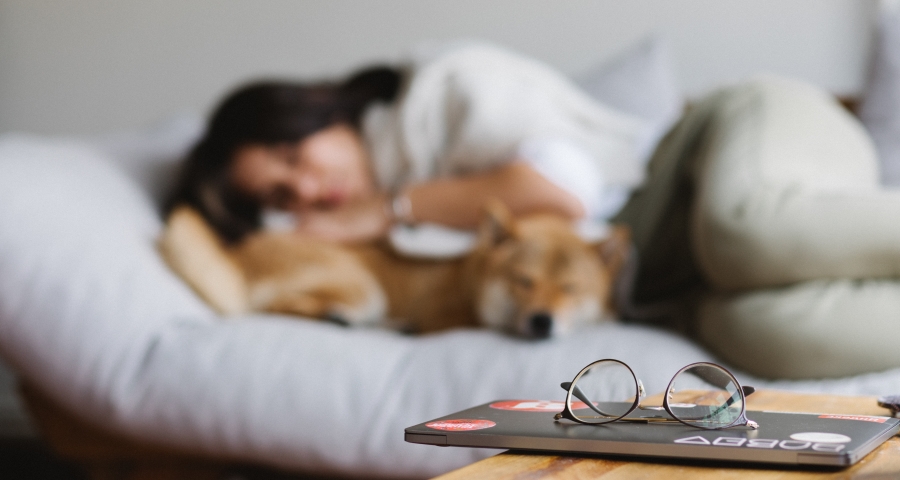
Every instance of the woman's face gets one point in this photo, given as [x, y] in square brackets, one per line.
[324, 170]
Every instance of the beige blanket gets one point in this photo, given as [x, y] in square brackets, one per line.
[764, 206]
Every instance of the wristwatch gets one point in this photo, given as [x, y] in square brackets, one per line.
[890, 402]
[400, 209]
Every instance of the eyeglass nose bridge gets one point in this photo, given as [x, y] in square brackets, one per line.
[641, 394]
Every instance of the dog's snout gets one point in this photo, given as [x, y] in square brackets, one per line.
[541, 324]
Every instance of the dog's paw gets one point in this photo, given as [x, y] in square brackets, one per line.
[335, 306]
[371, 312]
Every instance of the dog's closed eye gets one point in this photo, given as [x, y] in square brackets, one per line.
[524, 281]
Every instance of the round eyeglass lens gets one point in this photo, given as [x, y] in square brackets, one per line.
[603, 392]
[705, 396]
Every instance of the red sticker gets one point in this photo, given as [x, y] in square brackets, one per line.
[460, 425]
[536, 406]
[861, 418]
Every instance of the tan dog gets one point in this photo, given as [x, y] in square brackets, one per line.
[532, 276]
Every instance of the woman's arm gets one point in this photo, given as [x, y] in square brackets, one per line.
[454, 201]
[459, 201]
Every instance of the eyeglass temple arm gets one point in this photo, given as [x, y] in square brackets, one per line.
[746, 390]
[581, 396]
[577, 392]
[720, 381]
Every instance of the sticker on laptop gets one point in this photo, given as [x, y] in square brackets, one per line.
[821, 437]
[460, 425]
[535, 406]
[831, 446]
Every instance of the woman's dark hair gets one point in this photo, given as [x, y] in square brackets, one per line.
[267, 112]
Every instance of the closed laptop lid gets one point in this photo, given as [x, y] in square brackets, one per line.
[782, 438]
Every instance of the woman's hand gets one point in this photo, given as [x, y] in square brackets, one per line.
[360, 221]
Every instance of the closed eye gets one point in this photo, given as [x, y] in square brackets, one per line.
[287, 153]
[281, 196]
[524, 282]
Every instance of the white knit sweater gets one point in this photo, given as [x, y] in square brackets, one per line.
[467, 108]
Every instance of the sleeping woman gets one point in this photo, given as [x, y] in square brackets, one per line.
[761, 211]
[429, 141]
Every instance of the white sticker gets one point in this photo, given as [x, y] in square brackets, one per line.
[762, 443]
[821, 437]
[794, 445]
[828, 447]
[729, 441]
[696, 440]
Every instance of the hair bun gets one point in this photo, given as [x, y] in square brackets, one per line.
[375, 83]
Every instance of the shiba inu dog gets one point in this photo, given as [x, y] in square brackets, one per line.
[531, 276]
[535, 277]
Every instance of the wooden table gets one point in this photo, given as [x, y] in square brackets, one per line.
[883, 463]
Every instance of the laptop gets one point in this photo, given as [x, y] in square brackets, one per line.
[782, 438]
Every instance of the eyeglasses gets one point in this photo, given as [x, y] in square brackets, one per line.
[703, 395]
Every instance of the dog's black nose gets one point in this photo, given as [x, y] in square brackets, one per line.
[336, 318]
[541, 324]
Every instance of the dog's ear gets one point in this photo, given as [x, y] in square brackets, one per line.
[615, 249]
[497, 225]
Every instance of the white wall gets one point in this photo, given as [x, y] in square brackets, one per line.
[94, 65]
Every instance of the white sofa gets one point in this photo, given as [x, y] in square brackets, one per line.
[91, 316]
